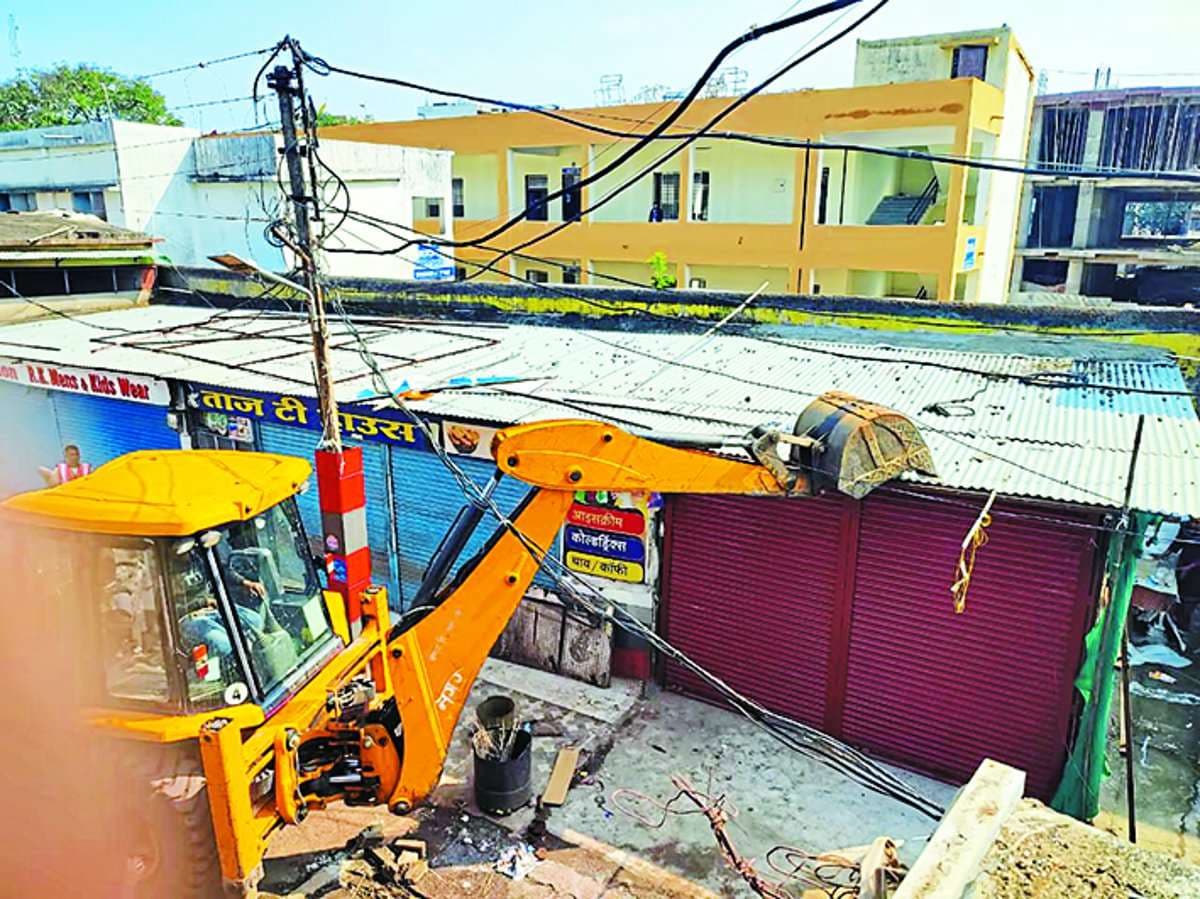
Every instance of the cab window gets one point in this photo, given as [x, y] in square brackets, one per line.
[207, 655]
[131, 634]
[272, 584]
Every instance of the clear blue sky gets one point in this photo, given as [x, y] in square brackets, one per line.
[541, 51]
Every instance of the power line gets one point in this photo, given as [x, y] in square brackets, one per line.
[1058, 380]
[205, 64]
[321, 67]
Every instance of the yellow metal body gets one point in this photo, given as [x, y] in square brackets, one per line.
[164, 493]
[424, 671]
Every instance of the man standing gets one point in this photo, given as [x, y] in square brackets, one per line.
[70, 468]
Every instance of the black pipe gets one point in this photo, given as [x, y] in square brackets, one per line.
[452, 545]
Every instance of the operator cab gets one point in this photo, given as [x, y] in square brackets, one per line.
[190, 618]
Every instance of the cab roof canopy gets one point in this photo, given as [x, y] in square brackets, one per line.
[164, 493]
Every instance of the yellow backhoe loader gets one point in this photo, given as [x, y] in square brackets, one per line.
[240, 699]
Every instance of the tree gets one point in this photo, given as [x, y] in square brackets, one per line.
[1157, 218]
[69, 95]
[327, 119]
[662, 276]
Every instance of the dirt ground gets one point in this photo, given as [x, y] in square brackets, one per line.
[1041, 853]
[461, 851]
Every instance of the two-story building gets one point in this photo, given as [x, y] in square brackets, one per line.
[732, 215]
[203, 194]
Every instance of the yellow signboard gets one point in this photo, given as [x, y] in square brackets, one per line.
[613, 569]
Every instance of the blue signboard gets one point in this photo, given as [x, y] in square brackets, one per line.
[969, 254]
[598, 543]
[389, 426]
[432, 264]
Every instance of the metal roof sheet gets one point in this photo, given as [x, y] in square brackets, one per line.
[1036, 426]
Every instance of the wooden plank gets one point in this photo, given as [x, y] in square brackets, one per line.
[561, 777]
[951, 859]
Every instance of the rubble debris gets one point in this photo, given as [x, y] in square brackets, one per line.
[1042, 853]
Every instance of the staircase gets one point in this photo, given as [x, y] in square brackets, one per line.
[904, 209]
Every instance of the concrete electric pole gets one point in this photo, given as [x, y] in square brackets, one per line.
[340, 479]
[286, 84]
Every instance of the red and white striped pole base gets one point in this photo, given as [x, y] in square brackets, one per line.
[343, 496]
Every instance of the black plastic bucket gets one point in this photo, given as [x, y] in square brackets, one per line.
[497, 712]
[502, 787]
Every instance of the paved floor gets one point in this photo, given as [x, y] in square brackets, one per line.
[636, 743]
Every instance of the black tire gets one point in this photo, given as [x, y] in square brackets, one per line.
[171, 851]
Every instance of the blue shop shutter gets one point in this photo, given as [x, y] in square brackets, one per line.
[301, 442]
[31, 438]
[427, 499]
[105, 428]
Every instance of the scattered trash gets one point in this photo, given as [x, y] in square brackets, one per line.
[1162, 676]
[566, 882]
[516, 861]
[1156, 654]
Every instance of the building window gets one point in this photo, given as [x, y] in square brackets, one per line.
[572, 194]
[571, 274]
[460, 273]
[697, 283]
[823, 196]
[666, 197]
[700, 183]
[1064, 135]
[456, 198]
[970, 61]
[537, 276]
[90, 202]
[433, 208]
[537, 189]
[18, 201]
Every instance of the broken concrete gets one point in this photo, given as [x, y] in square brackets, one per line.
[1042, 853]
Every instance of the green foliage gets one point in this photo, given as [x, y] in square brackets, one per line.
[327, 119]
[661, 275]
[69, 95]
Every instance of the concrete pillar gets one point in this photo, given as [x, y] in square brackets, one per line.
[1026, 214]
[685, 184]
[1035, 133]
[1086, 213]
[1017, 269]
[1074, 276]
[504, 179]
[1095, 128]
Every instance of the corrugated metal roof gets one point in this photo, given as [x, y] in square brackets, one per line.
[986, 429]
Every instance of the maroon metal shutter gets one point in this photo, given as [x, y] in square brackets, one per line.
[939, 692]
[748, 592]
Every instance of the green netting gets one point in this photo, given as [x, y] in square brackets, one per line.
[1078, 793]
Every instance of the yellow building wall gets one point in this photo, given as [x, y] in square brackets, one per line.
[740, 279]
[749, 227]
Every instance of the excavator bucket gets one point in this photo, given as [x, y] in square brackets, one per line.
[853, 446]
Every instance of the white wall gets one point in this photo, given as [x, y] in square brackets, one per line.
[747, 183]
[157, 196]
[632, 205]
[481, 184]
[929, 57]
[46, 160]
[1003, 189]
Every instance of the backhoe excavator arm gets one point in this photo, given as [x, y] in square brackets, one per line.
[350, 748]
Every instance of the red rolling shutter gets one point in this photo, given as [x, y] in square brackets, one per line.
[939, 692]
[749, 586]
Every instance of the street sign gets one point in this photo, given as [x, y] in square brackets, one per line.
[432, 264]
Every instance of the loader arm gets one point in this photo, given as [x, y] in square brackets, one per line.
[438, 659]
